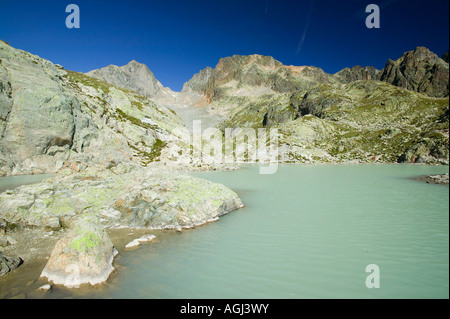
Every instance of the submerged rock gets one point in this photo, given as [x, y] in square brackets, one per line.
[132, 244]
[438, 179]
[40, 292]
[146, 238]
[8, 264]
[45, 288]
[137, 242]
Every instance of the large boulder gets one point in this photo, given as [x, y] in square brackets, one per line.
[124, 195]
[83, 256]
[169, 200]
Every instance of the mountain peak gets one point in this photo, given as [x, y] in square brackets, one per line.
[419, 70]
[238, 61]
[420, 54]
[134, 76]
[137, 64]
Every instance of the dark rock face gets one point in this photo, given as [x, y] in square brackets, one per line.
[304, 106]
[424, 151]
[8, 264]
[445, 57]
[314, 101]
[356, 73]
[276, 115]
[419, 70]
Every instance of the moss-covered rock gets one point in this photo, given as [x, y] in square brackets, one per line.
[83, 256]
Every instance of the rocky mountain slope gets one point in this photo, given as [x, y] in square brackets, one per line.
[252, 75]
[356, 106]
[50, 115]
[420, 70]
[356, 73]
[109, 147]
[409, 95]
[110, 138]
[397, 114]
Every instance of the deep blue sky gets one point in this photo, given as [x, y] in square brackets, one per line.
[176, 39]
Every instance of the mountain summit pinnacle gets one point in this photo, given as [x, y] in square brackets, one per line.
[134, 76]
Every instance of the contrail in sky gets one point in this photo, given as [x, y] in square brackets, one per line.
[305, 30]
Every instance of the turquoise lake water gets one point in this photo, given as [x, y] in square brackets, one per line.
[308, 231]
[11, 182]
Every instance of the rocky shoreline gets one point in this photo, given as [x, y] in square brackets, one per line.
[117, 213]
[35, 248]
[440, 179]
[118, 153]
[62, 225]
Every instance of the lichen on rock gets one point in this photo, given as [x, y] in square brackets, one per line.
[83, 256]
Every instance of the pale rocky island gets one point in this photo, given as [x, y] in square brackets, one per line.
[109, 137]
